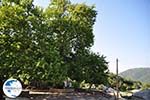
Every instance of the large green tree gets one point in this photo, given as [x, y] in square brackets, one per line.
[49, 44]
[27, 48]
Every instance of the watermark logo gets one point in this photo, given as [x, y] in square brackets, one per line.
[12, 88]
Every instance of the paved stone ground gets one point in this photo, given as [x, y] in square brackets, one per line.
[61, 98]
[70, 96]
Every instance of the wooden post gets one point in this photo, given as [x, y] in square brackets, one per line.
[117, 79]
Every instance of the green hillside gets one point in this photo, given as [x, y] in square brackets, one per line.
[138, 74]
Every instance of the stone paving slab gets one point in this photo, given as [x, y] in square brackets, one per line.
[63, 96]
[72, 97]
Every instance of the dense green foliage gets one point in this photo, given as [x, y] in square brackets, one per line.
[137, 74]
[124, 84]
[146, 86]
[49, 45]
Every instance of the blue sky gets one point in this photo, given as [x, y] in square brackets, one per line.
[122, 30]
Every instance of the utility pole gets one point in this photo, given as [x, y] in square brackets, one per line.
[117, 80]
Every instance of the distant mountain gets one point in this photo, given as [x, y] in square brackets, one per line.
[137, 74]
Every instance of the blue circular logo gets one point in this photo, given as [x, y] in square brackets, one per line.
[12, 88]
